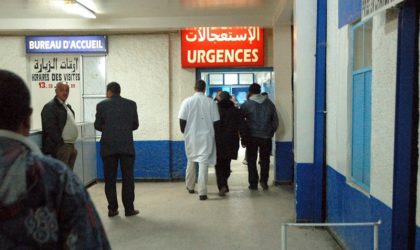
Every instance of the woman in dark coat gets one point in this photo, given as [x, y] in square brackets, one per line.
[230, 128]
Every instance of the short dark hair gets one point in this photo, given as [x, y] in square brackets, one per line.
[200, 85]
[114, 87]
[254, 88]
[15, 101]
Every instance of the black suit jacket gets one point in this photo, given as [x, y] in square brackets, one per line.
[54, 118]
[116, 118]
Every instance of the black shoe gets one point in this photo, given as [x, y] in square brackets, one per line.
[132, 213]
[222, 191]
[203, 197]
[264, 185]
[191, 191]
[252, 187]
[112, 213]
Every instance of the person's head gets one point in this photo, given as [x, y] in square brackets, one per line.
[254, 89]
[224, 96]
[15, 103]
[200, 86]
[62, 91]
[113, 88]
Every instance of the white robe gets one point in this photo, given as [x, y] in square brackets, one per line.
[200, 112]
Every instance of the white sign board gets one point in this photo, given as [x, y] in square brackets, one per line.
[45, 72]
[372, 7]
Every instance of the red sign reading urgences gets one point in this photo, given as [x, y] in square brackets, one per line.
[222, 47]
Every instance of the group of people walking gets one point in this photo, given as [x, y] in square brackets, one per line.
[44, 205]
[212, 131]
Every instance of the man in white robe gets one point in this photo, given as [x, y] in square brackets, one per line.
[197, 115]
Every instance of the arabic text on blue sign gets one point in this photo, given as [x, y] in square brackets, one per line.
[66, 44]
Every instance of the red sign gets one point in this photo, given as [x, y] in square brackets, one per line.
[222, 47]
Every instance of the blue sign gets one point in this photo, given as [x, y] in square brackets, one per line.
[67, 44]
[348, 11]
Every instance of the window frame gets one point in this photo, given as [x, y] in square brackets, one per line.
[366, 72]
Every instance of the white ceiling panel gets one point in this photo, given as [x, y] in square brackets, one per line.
[17, 16]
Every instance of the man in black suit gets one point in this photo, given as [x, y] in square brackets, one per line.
[116, 118]
[59, 129]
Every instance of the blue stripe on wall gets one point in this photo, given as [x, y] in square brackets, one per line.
[304, 191]
[154, 160]
[347, 204]
[284, 162]
[417, 238]
[178, 159]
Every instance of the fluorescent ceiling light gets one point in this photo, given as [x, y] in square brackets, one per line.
[78, 8]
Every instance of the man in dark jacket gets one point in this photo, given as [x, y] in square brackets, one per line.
[261, 118]
[116, 118]
[59, 130]
[230, 126]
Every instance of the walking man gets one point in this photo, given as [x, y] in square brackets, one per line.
[59, 130]
[261, 117]
[198, 115]
[116, 118]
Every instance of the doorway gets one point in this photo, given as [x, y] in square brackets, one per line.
[236, 81]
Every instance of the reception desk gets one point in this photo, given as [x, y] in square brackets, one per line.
[85, 166]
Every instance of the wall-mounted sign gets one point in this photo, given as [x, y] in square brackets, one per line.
[45, 72]
[372, 7]
[222, 47]
[67, 44]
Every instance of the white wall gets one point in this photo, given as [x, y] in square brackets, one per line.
[384, 61]
[338, 92]
[339, 104]
[13, 55]
[304, 79]
[282, 47]
[182, 84]
[140, 63]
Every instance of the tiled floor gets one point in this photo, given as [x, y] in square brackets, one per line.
[171, 218]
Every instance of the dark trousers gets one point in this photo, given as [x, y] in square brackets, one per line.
[110, 174]
[222, 172]
[263, 146]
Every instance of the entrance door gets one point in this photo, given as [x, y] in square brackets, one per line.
[236, 81]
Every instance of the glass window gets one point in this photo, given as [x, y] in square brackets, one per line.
[216, 79]
[361, 104]
[231, 79]
[368, 44]
[246, 78]
[358, 48]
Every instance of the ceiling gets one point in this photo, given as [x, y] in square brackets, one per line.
[43, 16]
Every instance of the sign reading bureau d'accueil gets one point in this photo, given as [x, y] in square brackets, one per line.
[67, 44]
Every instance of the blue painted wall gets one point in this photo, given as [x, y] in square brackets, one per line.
[284, 162]
[347, 204]
[155, 160]
[178, 159]
[304, 185]
[348, 11]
